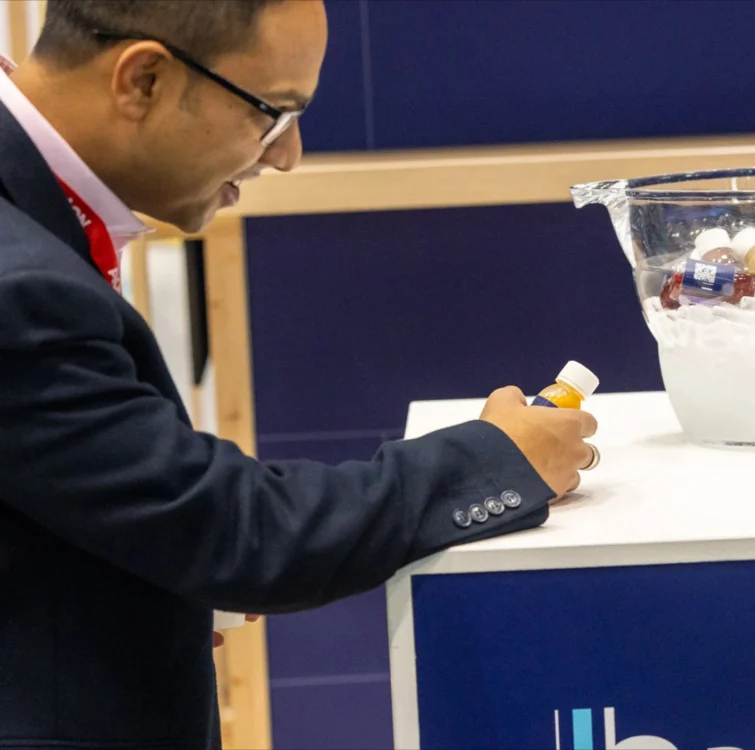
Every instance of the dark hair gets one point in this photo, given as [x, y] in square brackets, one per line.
[203, 28]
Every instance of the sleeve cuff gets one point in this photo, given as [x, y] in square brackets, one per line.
[499, 492]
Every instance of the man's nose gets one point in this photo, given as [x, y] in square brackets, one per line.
[284, 154]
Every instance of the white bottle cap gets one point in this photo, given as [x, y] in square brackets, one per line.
[580, 378]
[742, 243]
[710, 239]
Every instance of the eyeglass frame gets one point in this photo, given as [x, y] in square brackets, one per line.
[282, 119]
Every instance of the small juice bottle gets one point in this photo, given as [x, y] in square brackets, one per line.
[573, 385]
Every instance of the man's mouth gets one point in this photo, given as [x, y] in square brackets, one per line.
[245, 176]
[229, 194]
[231, 188]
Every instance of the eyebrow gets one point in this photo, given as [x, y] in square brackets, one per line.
[291, 96]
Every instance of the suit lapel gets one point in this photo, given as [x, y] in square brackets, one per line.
[29, 184]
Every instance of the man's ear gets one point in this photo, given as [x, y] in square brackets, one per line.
[142, 75]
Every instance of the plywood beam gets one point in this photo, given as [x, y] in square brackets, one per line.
[245, 657]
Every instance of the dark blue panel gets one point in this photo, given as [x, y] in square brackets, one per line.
[332, 717]
[455, 72]
[335, 121]
[348, 637]
[356, 315]
[336, 648]
[669, 648]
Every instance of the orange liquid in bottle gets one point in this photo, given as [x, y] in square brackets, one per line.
[561, 396]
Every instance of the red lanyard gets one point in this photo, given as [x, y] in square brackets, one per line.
[100, 244]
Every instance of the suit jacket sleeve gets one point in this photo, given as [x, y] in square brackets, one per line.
[104, 461]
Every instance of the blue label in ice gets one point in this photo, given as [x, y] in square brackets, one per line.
[708, 278]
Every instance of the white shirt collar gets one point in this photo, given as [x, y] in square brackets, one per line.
[120, 221]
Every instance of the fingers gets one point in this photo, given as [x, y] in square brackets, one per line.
[588, 424]
[583, 423]
[583, 420]
[502, 403]
[510, 393]
[552, 440]
[585, 456]
[574, 485]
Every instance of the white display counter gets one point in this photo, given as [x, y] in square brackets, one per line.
[626, 621]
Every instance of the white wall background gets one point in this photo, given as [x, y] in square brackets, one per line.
[33, 20]
[170, 323]
[4, 28]
[166, 265]
[34, 13]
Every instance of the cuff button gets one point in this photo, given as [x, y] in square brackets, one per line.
[478, 513]
[462, 519]
[511, 499]
[494, 506]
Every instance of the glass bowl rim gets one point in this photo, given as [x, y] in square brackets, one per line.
[638, 188]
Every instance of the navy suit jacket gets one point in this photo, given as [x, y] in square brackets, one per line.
[121, 527]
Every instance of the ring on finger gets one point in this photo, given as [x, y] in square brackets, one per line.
[594, 461]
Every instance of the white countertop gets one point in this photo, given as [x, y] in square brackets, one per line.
[654, 498]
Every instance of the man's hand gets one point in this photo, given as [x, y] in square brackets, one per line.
[552, 440]
[218, 639]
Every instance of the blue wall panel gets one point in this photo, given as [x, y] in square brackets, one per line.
[341, 640]
[336, 120]
[459, 72]
[356, 315]
[350, 715]
[329, 666]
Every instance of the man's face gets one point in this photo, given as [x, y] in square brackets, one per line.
[194, 145]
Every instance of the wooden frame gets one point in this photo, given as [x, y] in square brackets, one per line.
[24, 22]
[442, 178]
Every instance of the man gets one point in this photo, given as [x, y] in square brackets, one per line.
[121, 528]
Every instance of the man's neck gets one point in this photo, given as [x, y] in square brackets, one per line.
[63, 101]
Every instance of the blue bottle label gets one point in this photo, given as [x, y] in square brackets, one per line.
[704, 279]
[540, 401]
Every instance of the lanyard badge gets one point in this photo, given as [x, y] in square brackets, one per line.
[101, 246]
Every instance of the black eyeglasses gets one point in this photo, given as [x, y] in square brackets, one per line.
[282, 121]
